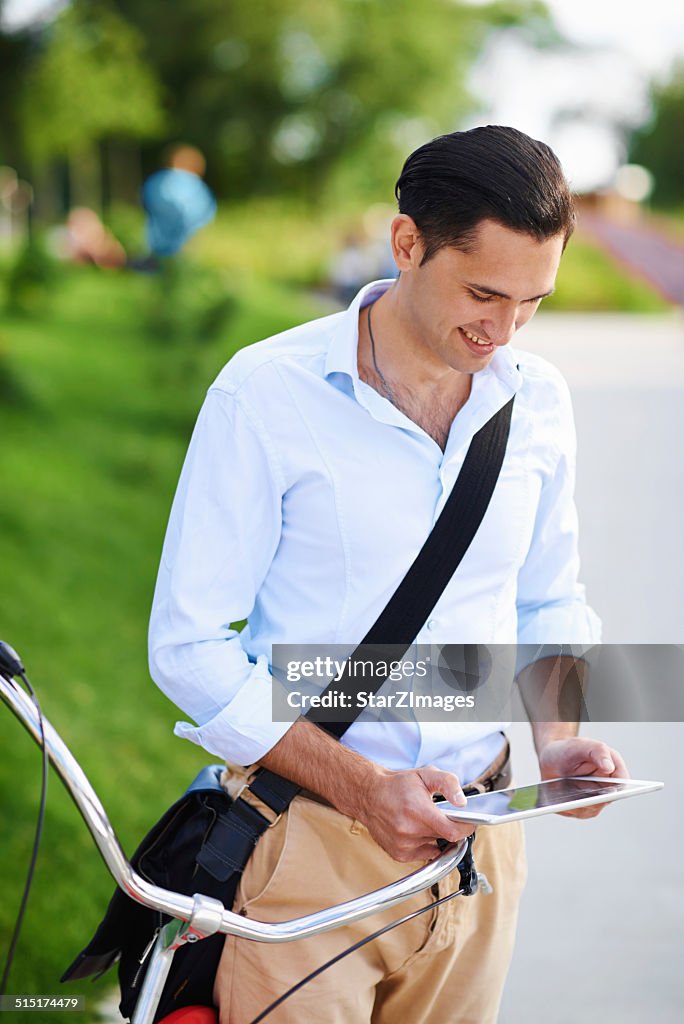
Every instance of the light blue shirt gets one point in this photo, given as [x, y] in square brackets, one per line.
[305, 496]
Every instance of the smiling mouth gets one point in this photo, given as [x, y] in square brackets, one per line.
[477, 343]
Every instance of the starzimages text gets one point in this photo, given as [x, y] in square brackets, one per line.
[368, 699]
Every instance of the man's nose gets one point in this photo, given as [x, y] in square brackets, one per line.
[501, 328]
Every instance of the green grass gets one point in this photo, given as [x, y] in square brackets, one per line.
[89, 459]
[274, 240]
[670, 221]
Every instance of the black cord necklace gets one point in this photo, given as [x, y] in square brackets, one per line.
[386, 387]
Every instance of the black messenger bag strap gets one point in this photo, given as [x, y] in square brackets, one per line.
[395, 628]
[408, 609]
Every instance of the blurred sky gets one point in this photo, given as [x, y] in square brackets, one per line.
[580, 99]
[651, 33]
[17, 13]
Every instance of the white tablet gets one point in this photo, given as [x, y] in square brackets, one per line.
[544, 798]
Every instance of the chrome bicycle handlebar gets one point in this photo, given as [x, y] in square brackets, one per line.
[204, 914]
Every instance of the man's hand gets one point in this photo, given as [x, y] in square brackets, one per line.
[402, 818]
[578, 755]
[552, 690]
[396, 807]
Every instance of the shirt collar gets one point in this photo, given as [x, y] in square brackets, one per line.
[343, 349]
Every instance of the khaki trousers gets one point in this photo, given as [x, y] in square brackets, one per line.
[447, 966]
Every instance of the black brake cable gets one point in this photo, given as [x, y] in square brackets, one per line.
[11, 667]
[351, 949]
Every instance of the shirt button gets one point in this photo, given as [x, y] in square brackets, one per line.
[432, 624]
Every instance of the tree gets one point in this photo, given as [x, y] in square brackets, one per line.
[16, 50]
[87, 84]
[659, 145]
[279, 92]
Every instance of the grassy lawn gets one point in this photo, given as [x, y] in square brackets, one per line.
[285, 245]
[671, 222]
[90, 456]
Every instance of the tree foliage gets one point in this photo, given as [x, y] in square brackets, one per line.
[280, 92]
[659, 146]
[16, 50]
[281, 95]
[88, 83]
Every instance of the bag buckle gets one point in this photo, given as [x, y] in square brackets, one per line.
[241, 790]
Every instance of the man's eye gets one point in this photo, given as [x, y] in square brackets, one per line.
[481, 298]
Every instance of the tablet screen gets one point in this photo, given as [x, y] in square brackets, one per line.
[506, 802]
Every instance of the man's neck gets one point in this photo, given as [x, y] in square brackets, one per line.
[400, 368]
[404, 353]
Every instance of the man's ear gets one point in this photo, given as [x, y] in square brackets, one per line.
[407, 242]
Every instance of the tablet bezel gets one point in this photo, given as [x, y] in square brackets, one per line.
[635, 788]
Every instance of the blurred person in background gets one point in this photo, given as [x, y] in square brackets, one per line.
[177, 202]
[89, 241]
[351, 266]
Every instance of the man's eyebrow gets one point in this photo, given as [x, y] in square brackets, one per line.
[502, 295]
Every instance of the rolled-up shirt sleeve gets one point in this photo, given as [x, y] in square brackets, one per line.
[223, 532]
[553, 614]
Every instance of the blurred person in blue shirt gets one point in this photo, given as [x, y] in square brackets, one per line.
[177, 202]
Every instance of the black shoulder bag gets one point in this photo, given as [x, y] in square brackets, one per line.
[203, 842]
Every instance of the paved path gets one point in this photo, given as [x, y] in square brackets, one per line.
[601, 936]
[644, 249]
[626, 374]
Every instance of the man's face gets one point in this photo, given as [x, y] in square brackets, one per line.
[463, 306]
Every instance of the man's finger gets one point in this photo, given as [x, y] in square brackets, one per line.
[605, 763]
[585, 812]
[429, 851]
[601, 755]
[445, 783]
[621, 771]
[445, 828]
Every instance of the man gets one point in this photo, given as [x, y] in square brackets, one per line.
[320, 461]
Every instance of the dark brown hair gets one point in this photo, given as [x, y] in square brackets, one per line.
[455, 181]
